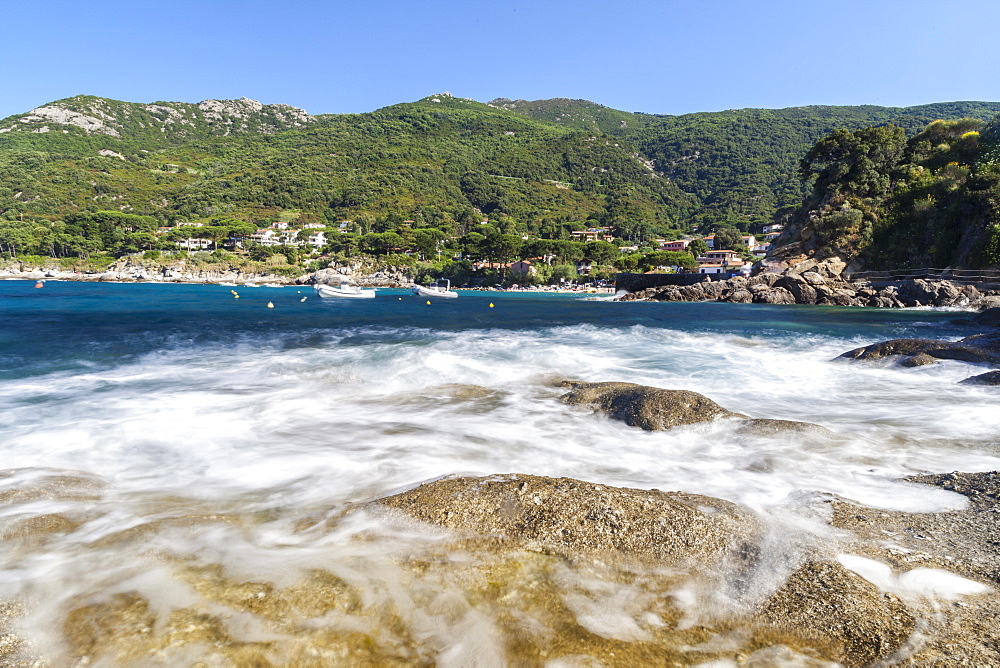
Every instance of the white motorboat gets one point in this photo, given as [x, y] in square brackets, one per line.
[273, 285]
[343, 290]
[440, 289]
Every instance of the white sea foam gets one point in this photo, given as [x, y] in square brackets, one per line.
[365, 418]
[916, 582]
[304, 429]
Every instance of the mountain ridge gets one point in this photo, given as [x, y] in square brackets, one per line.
[441, 160]
[129, 120]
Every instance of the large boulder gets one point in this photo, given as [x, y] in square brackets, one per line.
[649, 408]
[775, 296]
[571, 516]
[837, 295]
[803, 290]
[923, 292]
[655, 409]
[740, 296]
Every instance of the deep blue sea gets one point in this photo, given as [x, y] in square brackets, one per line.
[157, 402]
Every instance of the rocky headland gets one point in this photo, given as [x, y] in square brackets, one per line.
[825, 284]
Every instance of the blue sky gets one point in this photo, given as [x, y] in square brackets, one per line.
[343, 56]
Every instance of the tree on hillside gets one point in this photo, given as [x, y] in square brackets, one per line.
[728, 238]
[667, 259]
[427, 241]
[697, 247]
[859, 164]
[472, 245]
[536, 248]
[601, 252]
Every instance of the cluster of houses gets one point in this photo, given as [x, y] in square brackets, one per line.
[279, 234]
[713, 261]
[727, 261]
[276, 234]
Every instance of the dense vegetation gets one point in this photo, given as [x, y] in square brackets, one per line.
[88, 176]
[740, 165]
[886, 202]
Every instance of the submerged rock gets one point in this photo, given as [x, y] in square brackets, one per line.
[988, 378]
[988, 318]
[977, 349]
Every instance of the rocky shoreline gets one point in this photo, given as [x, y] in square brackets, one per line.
[823, 284]
[579, 573]
[883, 588]
[893, 588]
[127, 271]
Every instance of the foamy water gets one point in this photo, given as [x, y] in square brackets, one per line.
[225, 446]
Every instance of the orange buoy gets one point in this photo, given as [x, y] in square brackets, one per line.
[40, 284]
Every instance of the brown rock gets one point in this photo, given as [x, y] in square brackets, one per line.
[775, 296]
[986, 302]
[565, 514]
[648, 408]
[740, 297]
[825, 599]
[767, 427]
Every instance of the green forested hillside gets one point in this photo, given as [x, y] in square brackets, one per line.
[739, 165]
[882, 201]
[437, 160]
[532, 168]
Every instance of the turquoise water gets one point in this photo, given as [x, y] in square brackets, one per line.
[68, 325]
[171, 402]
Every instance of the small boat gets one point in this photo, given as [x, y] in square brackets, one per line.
[228, 285]
[272, 285]
[343, 290]
[436, 291]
